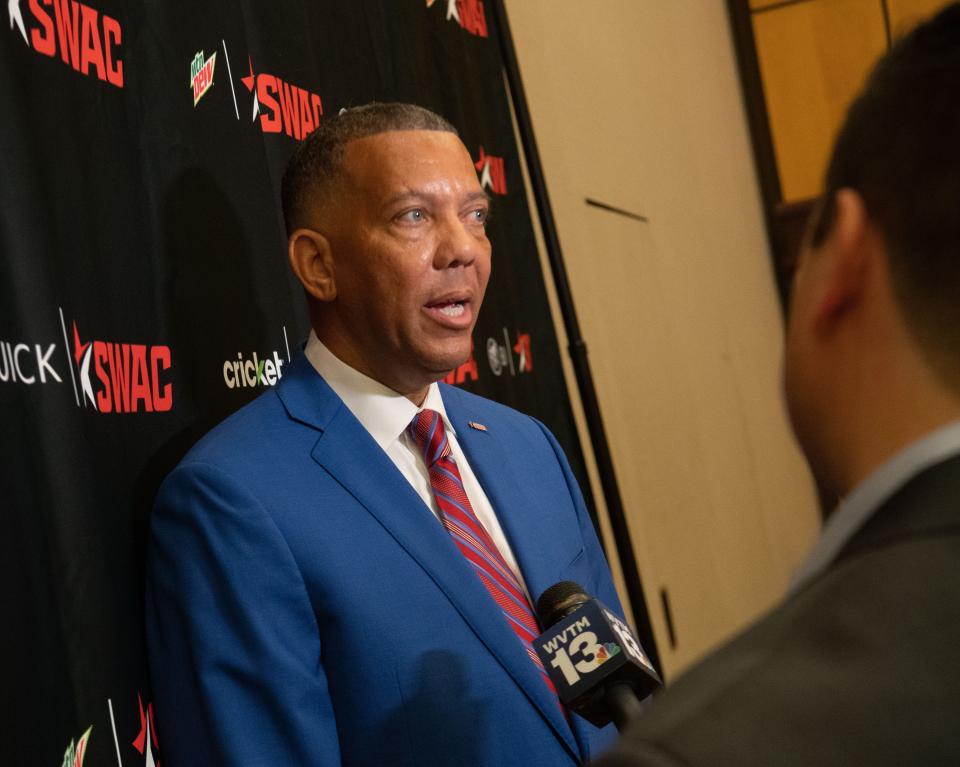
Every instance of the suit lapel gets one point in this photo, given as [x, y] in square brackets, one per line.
[347, 451]
[490, 460]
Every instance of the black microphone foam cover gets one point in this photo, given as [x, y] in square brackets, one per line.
[558, 601]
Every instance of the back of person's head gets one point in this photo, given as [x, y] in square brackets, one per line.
[314, 170]
[899, 148]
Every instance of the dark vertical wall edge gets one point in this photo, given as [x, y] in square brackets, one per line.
[577, 348]
[748, 65]
[885, 9]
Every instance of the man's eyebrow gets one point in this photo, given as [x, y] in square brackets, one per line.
[483, 194]
[404, 196]
[412, 195]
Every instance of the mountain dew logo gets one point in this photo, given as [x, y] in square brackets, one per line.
[73, 756]
[607, 651]
[201, 75]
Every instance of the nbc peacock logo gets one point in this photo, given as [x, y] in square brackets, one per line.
[607, 651]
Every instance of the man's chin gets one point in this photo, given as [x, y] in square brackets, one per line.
[441, 367]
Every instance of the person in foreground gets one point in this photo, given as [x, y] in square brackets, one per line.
[860, 665]
[340, 572]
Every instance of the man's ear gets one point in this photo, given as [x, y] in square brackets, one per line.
[312, 261]
[845, 259]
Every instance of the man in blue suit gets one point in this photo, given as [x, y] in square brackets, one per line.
[316, 593]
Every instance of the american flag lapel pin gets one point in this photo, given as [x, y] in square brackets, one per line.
[476, 425]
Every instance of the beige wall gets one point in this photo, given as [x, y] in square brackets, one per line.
[636, 103]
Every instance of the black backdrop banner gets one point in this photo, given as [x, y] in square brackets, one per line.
[145, 294]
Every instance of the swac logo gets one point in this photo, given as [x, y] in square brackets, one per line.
[282, 106]
[129, 375]
[87, 40]
[73, 756]
[201, 75]
[492, 173]
[468, 14]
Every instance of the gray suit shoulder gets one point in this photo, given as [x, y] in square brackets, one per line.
[858, 668]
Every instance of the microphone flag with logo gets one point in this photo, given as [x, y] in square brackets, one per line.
[596, 663]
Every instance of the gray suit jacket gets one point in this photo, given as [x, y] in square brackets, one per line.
[860, 667]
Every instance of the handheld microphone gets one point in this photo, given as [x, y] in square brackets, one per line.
[591, 656]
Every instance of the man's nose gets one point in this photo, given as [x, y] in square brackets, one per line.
[458, 244]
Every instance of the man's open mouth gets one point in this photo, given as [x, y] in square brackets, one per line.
[450, 308]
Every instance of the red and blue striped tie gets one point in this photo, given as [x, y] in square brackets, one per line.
[469, 534]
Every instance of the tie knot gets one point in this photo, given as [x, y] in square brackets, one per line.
[427, 431]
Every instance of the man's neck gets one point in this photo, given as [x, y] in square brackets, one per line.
[884, 431]
[418, 396]
[343, 352]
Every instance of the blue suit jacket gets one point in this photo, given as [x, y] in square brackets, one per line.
[305, 607]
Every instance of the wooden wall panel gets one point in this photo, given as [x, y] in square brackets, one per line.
[813, 58]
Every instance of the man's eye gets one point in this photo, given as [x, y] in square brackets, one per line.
[480, 215]
[414, 216]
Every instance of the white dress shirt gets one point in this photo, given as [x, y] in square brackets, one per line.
[385, 414]
[853, 511]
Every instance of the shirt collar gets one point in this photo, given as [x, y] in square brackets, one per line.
[854, 510]
[381, 411]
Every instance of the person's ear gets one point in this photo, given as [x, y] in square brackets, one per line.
[312, 261]
[845, 257]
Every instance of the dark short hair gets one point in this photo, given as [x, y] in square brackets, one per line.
[899, 148]
[314, 169]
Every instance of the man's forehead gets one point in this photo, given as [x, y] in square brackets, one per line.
[396, 158]
[390, 139]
